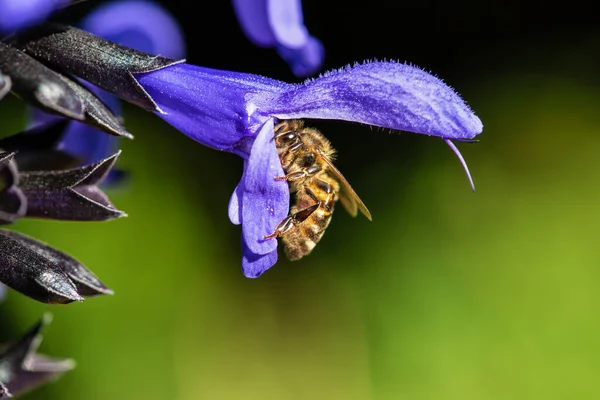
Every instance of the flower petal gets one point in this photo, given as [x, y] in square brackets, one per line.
[272, 22]
[207, 105]
[306, 60]
[265, 201]
[19, 14]
[287, 22]
[279, 24]
[253, 265]
[386, 94]
[157, 32]
[252, 16]
[235, 203]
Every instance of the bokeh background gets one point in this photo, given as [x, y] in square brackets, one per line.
[447, 294]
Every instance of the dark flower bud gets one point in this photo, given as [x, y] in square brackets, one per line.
[43, 273]
[4, 394]
[56, 93]
[38, 84]
[37, 147]
[4, 86]
[40, 137]
[32, 274]
[97, 114]
[70, 194]
[13, 203]
[86, 283]
[21, 369]
[97, 60]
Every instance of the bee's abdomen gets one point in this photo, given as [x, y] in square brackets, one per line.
[301, 242]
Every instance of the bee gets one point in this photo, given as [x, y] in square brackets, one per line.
[306, 157]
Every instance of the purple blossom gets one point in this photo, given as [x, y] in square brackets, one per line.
[236, 112]
[158, 32]
[279, 24]
[19, 14]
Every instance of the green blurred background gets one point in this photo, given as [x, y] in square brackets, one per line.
[447, 294]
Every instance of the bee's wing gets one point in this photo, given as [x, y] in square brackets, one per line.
[348, 197]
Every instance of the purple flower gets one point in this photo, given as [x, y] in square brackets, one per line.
[142, 25]
[157, 32]
[19, 14]
[236, 112]
[279, 24]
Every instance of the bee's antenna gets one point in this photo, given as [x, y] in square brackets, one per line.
[462, 161]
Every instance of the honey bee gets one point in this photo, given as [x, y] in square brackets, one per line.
[306, 157]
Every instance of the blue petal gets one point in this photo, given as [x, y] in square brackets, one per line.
[252, 16]
[142, 25]
[235, 203]
[279, 24]
[306, 60]
[209, 105]
[253, 265]
[268, 23]
[287, 22]
[2, 292]
[265, 201]
[386, 94]
[19, 14]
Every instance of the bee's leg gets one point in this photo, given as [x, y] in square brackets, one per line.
[303, 173]
[292, 220]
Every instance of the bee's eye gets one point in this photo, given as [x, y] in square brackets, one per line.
[288, 138]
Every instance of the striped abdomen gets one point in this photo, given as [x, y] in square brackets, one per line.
[305, 236]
